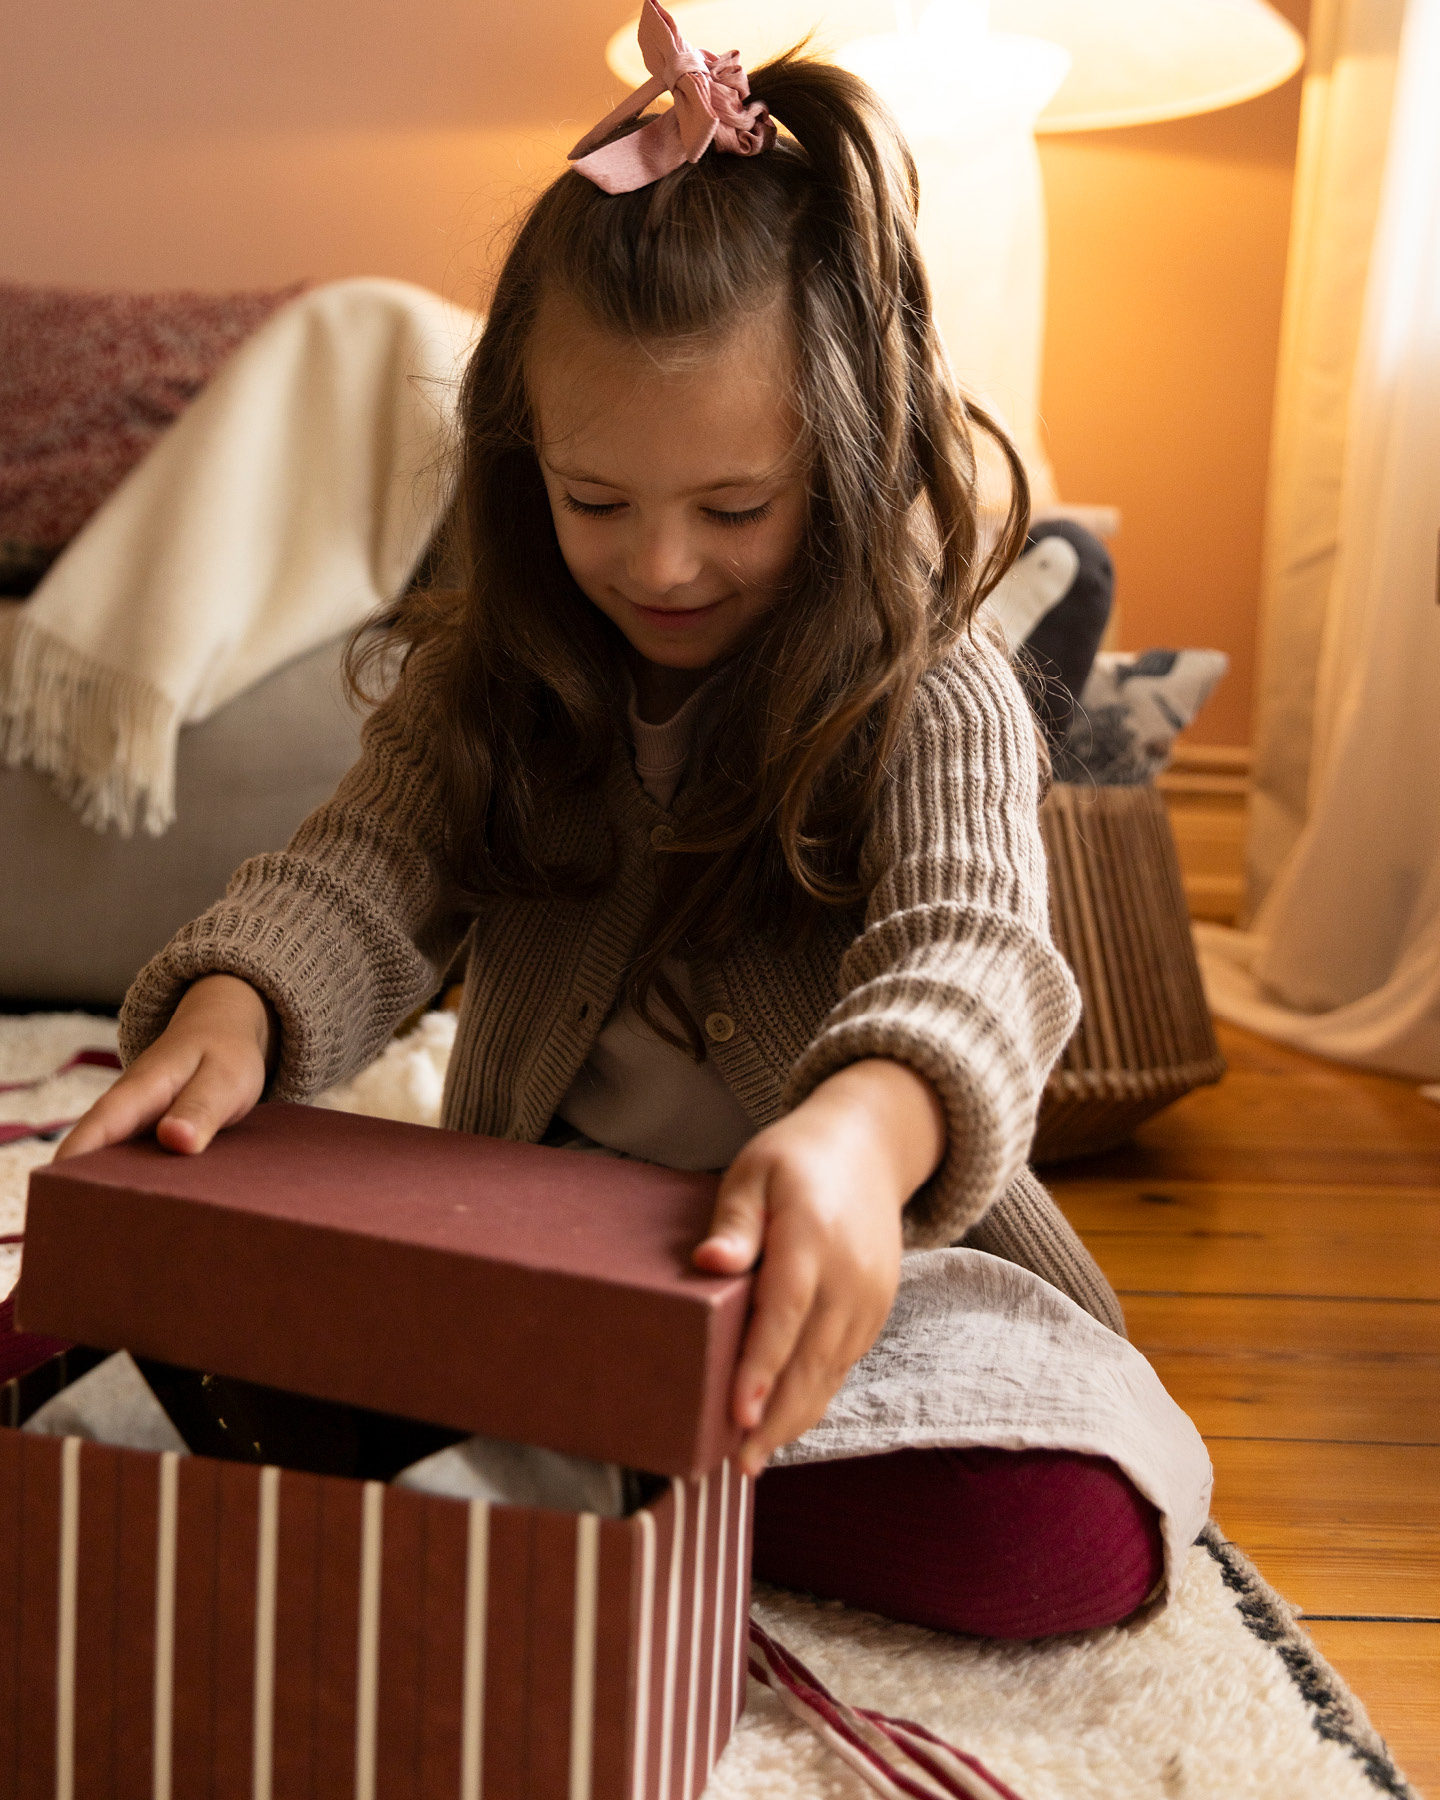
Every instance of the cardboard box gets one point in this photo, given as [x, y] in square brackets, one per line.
[172, 1627]
[528, 1293]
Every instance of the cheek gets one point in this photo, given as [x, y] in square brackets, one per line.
[776, 545]
[580, 545]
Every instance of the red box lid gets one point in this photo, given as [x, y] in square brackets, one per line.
[534, 1294]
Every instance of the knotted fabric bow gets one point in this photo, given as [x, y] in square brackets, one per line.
[712, 106]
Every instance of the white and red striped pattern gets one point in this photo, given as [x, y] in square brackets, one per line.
[14, 1131]
[82, 1059]
[896, 1757]
[171, 1626]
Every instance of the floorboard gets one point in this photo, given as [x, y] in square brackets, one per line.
[1283, 1325]
[1252, 1210]
[1325, 1265]
[1338, 1528]
[1225, 1238]
[1397, 1670]
[1336, 1396]
[1276, 1243]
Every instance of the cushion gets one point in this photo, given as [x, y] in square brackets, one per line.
[1130, 712]
[81, 911]
[88, 381]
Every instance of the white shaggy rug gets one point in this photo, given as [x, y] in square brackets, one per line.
[31, 1045]
[1220, 1697]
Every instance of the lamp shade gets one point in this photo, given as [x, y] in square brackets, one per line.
[1132, 62]
[1135, 62]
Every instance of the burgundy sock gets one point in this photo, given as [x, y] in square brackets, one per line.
[999, 1543]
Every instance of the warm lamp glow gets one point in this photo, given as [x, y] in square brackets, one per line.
[1132, 62]
[971, 83]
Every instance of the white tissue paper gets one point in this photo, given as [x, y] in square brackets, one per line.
[508, 1474]
[113, 1404]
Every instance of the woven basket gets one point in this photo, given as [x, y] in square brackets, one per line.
[1119, 917]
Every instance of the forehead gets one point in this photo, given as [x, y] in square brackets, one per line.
[667, 414]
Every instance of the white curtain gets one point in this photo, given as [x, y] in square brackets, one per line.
[1344, 129]
[1343, 954]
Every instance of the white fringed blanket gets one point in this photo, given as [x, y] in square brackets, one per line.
[293, 498]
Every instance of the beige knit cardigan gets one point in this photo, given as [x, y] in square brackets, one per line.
[949, 967]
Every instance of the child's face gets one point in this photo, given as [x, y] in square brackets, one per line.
[678, 494]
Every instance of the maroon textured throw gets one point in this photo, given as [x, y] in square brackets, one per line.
[88, 381]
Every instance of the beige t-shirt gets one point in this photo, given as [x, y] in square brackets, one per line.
[635, 1092]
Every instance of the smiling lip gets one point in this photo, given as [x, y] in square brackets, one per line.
[676, 618]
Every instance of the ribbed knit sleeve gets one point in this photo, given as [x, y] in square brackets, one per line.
[340, 931]
[955, 973]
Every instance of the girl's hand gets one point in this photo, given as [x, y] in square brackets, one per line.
[822, 1190]
[205, 1071]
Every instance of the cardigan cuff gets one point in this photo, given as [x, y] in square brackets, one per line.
[989, 1123]
[335, 1014]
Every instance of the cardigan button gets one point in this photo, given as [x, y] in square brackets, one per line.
[662, 835]
[719, 1028]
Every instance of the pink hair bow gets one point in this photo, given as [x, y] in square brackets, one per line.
[712, 106]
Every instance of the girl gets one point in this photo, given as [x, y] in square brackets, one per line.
[735, 819]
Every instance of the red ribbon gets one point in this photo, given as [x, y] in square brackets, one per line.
[869, 1741]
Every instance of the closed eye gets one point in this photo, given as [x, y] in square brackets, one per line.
[752, 516]
[588, 511]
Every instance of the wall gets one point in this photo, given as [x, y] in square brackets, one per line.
[246, 142]
[1167, 264]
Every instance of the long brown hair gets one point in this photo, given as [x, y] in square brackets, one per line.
[891, 566]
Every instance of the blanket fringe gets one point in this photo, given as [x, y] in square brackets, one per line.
[106, 739]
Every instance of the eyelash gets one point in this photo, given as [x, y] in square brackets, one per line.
[751, 517]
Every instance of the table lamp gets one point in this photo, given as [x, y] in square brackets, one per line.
[971, 83]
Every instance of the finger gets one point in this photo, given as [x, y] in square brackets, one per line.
[784, 1294]
[135, 1102]
[827, 1347]
[737, 1226]
[214, 1096]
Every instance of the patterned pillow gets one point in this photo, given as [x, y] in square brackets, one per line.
[1130, 712]
[88, 381]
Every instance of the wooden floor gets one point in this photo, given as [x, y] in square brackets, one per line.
[1276, 1242]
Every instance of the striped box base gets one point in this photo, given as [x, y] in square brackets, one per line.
[174, 1627]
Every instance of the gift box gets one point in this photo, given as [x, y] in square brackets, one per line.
[174, 1625]
[525, 1292]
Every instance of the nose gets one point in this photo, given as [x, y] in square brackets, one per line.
[662, 557]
